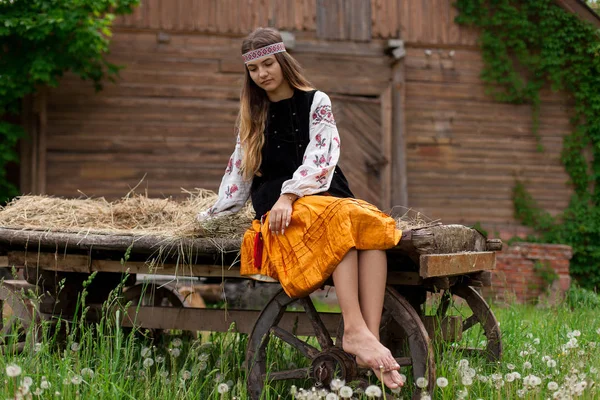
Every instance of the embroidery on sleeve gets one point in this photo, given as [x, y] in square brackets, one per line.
[304, 172]
[321, 141]
[322, 178]
[319, 161]
[229, 166]
[238, 165]
[231, 190]
[323, 114]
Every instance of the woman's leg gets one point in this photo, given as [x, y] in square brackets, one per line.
[372, 275]
[358, 338]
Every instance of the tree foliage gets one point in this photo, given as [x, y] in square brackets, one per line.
[41, 40]
[526, 45]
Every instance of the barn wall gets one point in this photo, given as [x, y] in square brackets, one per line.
[170, 117]
[465, 151]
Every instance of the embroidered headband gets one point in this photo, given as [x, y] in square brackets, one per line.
[263, 52]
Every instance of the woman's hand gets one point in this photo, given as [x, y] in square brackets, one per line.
[281, 213]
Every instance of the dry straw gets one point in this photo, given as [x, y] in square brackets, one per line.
[139, 215]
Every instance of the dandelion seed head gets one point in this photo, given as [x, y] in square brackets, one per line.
[553, 386]
[222, 388]
[536, 341]
[526, 365]
[463, 364]
[467, 381]
[373, 391]
[175, 352]
[164, 373]
[160, 359]
[148, 362]
[87, 372]
[422, 382]
[346, 392]
[185, 375]
[509, 377]
[146, 352]
[27, 381]
[37, 347]
[13, 370]
[521, 393]
[425, 396]
[38, 392]
[529, 335]
[76, 380]
[441, 382]
[523, 353]
[44, 384]
[331, 396]
[202, 366]
[510, 366]
[293, 390]
[75, 347]
[551, 363]
[176, 342]
[336, 384]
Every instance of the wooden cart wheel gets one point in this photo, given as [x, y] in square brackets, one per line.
[479, 331]
[153, 295]
[20, 321]
[325, 359]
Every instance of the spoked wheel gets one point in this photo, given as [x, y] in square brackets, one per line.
[478, 332]
[153, 295]
[20, 320]
[323, 359]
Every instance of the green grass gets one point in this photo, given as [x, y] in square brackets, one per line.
[102, 361]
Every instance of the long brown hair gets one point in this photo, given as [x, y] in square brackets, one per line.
[254, 103]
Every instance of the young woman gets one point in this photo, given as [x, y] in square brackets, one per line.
[308, 226]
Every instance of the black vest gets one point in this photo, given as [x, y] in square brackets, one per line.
[286, 138]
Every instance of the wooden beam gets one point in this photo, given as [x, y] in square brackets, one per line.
[456, 264]
[18, 239]
[218, 320]
[41, 107]
[83, 263]
[26, 146]
[400, 176]
[581, 9]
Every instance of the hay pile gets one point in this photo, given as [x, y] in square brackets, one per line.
[139, 215]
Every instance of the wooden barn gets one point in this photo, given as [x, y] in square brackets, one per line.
[417, 128]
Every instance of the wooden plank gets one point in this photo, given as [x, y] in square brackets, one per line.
[399, 160]
[4, 261]
[215, 320]
[83, 263]
[387, 181]
[456, 264]
[42, 100]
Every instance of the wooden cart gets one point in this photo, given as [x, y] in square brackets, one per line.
[427, 272]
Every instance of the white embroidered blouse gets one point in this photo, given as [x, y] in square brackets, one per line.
[313, 176]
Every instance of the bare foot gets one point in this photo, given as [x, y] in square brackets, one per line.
[365, 346]
[391, 379]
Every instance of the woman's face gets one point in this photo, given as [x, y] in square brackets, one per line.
[266, 73]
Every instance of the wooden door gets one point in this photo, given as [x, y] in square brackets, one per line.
[364, 127]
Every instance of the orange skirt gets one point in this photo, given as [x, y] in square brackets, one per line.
[322, 230]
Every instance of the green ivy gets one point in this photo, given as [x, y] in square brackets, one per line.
[527, 45]
[40, 40]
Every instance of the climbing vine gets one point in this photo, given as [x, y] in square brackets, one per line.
[526, 45]
[40, 40]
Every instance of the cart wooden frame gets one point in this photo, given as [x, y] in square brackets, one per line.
[450, 260]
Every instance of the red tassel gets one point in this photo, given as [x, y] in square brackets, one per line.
[258, 250]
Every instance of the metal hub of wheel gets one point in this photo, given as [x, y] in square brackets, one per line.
[333, 363]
